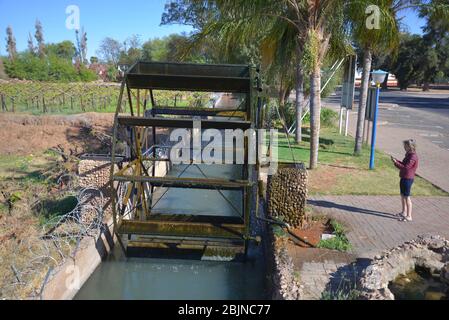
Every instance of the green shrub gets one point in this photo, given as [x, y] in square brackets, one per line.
[328, 117]
[51, 68]
[340, 242]
[52, 208]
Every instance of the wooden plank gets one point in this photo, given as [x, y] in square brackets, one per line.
[189, 83]
[209, 112]
[181, 123]
[191, 183]
[182, 229]
[195, 218]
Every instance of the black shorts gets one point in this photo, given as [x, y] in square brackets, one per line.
[406, 187]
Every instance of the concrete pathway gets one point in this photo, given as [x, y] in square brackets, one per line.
[372, 226]
[371, 229]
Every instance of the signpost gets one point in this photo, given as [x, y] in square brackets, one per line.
[378, 78]
[347, 97]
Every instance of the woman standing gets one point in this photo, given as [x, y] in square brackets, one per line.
[407, 169]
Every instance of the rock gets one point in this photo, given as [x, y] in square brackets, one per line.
[434, 295]
[427, 251]
[326, 236]
[444, 275]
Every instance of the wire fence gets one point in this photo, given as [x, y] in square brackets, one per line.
[59, 240]
[47, 98]
[43, 97]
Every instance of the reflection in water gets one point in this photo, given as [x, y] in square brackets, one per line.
[419, 284]
[198, 201]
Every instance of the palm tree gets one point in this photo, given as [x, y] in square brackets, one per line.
[302, 31]
[385, 39]
[371, 40]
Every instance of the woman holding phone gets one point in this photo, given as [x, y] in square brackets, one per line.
[407, 169]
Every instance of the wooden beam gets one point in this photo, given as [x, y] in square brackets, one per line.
[191, 183]
[181, 123]
[182, 229]
[204, 112]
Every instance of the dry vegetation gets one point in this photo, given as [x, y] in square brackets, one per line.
[37, 158]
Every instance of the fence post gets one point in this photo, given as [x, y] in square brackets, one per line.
[5, 107]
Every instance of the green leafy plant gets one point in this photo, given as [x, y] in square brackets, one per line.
[279, 232]
[340, 295]
[340, 242]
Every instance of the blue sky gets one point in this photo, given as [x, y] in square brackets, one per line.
[100, 19]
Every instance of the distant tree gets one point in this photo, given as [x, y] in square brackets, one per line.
[155, 50]
[39, 35]
[31, 47]
[132, 42]
[65, 50]
[192, 13]
[93, 60]
[132, 50]
[406, 66]
[11, 43]
[436, 36]
[110, 50]
[81, 46]
[2, 70]
[52, 68]
[429, 62]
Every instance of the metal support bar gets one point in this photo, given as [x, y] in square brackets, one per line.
[175, 182]
[181, 123]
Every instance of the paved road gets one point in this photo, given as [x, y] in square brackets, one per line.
[427, 123]
[424, 111]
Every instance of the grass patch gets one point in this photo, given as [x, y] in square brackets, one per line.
[340, 242]
[352, 294]
[342, 173]
[279, 232]
[52, 208]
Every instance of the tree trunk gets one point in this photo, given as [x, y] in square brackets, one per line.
[315, 112]
[299, 102]
[367, 61]
[426, 86]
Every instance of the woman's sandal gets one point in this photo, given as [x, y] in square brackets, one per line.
[406, 219]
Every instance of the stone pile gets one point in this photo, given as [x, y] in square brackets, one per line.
[93, 173]
[286, 284]
[287, 195]
[430, 252]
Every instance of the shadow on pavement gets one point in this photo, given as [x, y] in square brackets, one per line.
[333, 205]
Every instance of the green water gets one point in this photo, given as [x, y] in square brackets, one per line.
[119, 278]
[155, 279]
[419, 284]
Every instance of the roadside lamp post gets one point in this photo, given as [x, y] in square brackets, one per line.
[378, 78]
